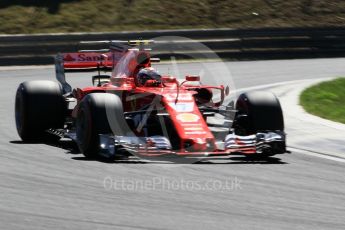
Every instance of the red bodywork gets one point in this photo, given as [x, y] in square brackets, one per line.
[178, 100]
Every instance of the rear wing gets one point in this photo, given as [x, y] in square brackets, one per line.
[81, 62]
[85, 61]
[96, 60]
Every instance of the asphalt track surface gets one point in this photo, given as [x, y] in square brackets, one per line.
[53, 187]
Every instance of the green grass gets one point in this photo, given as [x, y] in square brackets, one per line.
[326, 100]
[40, 16]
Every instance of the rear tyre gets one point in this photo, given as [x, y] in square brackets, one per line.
[39, 106]
[93, 119]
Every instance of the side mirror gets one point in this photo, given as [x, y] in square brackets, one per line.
[192, 78]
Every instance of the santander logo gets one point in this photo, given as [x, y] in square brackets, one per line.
[85, 57]
[68, 58]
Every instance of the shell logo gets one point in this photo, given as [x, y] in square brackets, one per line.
[187, 117]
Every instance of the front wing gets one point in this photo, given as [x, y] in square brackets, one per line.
[268, 143]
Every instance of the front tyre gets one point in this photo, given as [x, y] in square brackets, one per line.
[92, 120]
[39, 106]
[260, 112]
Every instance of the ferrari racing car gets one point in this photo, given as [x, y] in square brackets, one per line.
[138, 111]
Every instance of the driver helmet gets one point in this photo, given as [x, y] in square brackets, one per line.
[146, 74]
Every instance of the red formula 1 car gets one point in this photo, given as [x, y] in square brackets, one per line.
[137, 111]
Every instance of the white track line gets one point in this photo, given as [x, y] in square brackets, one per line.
[316, 154]
[26, 67]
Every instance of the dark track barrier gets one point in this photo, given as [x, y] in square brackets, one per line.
[236, 44]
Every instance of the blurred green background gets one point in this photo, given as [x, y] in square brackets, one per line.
[326, 100]
[36, 16]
